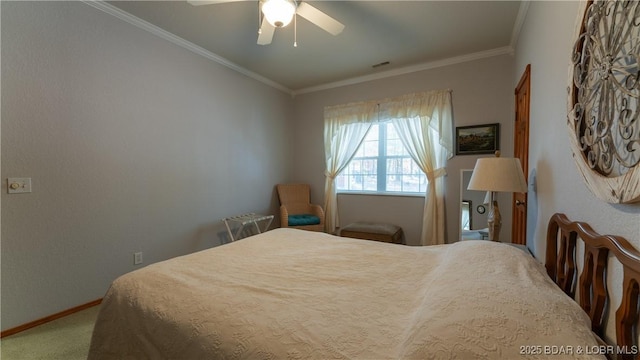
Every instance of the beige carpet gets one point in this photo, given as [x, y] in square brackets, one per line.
[67, 338]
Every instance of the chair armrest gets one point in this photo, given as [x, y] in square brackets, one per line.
[317, 211]
[284, 217]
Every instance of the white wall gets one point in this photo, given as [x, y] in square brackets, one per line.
[132, 144]
[135, 144]
[545, 42]
[482, 93]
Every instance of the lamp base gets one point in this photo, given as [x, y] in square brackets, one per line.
[494, 220]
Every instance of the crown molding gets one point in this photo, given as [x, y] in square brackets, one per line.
[142, 24]
[517, 26]
[155, 30]
[409, 69]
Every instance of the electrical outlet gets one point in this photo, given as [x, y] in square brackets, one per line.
[137, 258]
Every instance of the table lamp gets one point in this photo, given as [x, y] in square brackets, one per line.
[497, 174]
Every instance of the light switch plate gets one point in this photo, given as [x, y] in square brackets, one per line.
[18, 185]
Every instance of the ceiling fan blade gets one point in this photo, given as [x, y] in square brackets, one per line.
[209, 2]
[266, 33]
[324, 21]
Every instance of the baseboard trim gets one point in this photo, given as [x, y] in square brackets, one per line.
[49, 318]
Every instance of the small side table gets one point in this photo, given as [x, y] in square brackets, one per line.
[247, 219]
[521, 247]
[517, 246]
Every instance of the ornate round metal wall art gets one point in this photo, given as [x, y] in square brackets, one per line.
[604, 99]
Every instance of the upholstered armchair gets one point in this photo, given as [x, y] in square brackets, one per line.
[296, 210]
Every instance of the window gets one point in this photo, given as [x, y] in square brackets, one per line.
[382, 164]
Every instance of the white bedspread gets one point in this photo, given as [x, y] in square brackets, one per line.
[291, 294]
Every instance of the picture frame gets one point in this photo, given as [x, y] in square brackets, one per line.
[477, 139]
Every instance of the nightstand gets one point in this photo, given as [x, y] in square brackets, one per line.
[521, 247]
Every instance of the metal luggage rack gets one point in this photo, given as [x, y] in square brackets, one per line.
[247, 219]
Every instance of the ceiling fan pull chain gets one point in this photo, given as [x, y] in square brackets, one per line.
[295, 30]
[295, 25]
[259, 17]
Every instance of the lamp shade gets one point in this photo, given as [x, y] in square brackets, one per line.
[498, 174]
[278, 13]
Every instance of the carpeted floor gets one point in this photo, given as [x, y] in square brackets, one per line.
[67, 338]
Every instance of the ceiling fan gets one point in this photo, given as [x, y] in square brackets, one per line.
[279, 13]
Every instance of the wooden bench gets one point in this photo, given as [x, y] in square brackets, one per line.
[373, 231]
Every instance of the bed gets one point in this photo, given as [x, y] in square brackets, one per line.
[292, 294]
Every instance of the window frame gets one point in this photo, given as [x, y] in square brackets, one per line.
[382, 171]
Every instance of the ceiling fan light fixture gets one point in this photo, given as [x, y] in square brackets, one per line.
[278, 13]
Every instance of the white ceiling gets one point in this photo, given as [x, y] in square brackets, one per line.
[411, 35]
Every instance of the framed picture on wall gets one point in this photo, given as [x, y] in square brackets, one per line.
[477, 139]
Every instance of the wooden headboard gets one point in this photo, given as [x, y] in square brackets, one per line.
[562, 235]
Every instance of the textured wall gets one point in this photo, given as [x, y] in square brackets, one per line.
[132, 144]
[545, 42]
[482, 93]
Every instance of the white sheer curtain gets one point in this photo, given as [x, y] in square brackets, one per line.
[344, 130]
[424, 124]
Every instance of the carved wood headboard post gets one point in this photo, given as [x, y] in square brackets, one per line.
[594, 298]
[627, 314]
[552, 248]
[561, 265]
